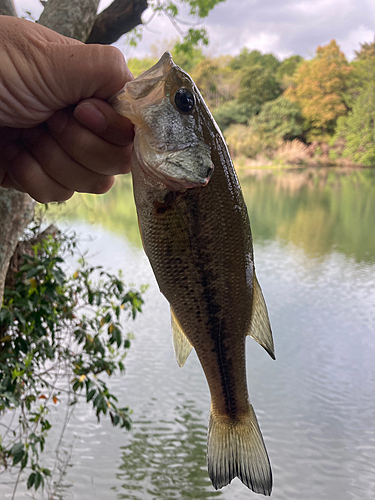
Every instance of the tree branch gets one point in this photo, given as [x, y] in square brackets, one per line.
[7, 8]
[119, 18]
[72, 19]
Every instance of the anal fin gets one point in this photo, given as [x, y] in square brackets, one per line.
[260, 328]
[182, 346]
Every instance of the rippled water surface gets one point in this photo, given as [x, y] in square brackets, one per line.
[315, 258]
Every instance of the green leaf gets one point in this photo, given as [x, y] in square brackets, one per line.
[172, 9]
[31, 480]
[38, 480]
[90, 394]
[24, 460]
[17, 452]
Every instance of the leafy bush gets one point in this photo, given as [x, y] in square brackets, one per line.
[278, 120]
[242, 141]
[231, 112]
[59, 334]
[291, 152]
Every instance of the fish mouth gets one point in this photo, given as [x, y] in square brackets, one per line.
[179, 168]
[177, 177]
[150, 83]
[158, 71]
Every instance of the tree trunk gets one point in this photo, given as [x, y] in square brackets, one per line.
[16, 211]
[70, 18]
[7, 8]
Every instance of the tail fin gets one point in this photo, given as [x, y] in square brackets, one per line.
[236, 449]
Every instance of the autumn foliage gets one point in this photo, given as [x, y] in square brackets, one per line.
[319, 88]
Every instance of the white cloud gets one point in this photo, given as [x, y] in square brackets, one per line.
[322, 8]
[352, 42]
[263, 41]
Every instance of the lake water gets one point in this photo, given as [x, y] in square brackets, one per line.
[314, 241]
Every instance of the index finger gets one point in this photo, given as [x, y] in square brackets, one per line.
[99, 117]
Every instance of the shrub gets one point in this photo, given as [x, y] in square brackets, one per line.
[291, 152]
[231, 112]
[59, 335]
[242, 141]
[278, 120]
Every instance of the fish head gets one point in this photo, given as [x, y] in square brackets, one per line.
[172, 141]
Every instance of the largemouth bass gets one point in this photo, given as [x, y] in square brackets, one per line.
[196, 233]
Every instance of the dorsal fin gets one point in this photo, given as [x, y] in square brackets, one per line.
[182, 346]
[260, 328]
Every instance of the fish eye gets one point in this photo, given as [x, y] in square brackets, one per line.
[184, 100]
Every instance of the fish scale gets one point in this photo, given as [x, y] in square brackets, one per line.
[196, 233]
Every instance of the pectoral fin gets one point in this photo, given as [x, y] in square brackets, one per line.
[260, 328]
[182, 346]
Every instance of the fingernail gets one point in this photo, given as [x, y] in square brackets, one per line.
[90, 116]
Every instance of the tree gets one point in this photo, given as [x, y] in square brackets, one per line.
[362, 74]
[80, 20]
[256, 73]
[367, 51]
[258, 83]
[231, 112]
[61, 336]
[257, 86]
[77, 20]
[319, 87]
[286, 70]
[246, 59]
[188, 53]
[216, 81]
[355, 135]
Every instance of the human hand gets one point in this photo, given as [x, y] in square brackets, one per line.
[57, 133]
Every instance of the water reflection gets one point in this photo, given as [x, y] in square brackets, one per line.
[114, 210]
[316, 209]
[319, 210]
[315, 258]
[167, 458]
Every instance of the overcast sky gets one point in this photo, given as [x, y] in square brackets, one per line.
[284, 27]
